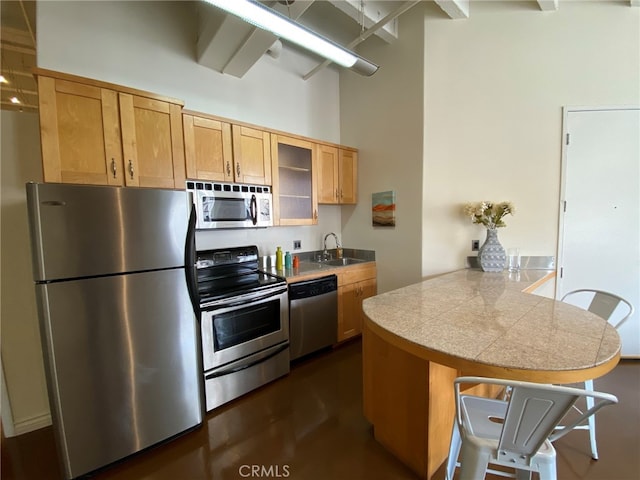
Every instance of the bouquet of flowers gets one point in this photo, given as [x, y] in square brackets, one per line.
[489, 214]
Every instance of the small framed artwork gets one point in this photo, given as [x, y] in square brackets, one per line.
[383, 209]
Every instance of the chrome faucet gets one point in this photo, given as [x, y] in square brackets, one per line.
[325, 253]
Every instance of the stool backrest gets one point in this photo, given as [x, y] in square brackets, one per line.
[533, 412]
[602, 304]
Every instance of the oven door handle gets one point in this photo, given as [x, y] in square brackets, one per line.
[244, 366]
[245, 300]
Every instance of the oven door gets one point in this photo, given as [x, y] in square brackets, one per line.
[242, 325]
[233, 209]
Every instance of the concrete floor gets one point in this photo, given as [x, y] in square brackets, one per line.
[309, 425]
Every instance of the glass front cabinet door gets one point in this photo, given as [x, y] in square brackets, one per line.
[294, 181]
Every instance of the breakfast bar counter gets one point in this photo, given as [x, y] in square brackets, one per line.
[417, 339]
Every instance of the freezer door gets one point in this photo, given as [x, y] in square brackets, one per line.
[86, 230]
[123, 364]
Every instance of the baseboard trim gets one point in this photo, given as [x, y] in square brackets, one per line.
[32, 423]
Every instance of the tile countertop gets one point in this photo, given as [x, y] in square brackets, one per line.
[310, 267]
[489, 318]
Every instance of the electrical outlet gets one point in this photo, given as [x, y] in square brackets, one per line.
[297, 244]
[475, 245]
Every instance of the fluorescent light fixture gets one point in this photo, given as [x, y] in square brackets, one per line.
[14, 100]
[3, 80]
[262, 17]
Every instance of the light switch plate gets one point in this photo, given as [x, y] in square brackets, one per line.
[297, 244]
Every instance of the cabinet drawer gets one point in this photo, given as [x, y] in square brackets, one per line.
[356, 273]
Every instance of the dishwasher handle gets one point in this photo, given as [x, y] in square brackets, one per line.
[313, 288]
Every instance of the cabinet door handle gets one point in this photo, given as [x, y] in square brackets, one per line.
[131, 169]
[228, 169]
[315, 214]
[238, 169]
[341, 194]
[113, 167]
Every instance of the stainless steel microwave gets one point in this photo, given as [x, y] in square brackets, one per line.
[231, 205]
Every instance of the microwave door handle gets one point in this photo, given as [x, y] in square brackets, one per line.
[253, 208]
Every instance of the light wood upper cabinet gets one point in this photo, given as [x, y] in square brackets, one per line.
[348, 176]
[252, 155]
[327, 174]
[337, 175]
[80, 133]
[98, 133]
[152, 142]
[295, 198]
[208, 148]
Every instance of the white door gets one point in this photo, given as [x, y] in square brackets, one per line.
[600, 213]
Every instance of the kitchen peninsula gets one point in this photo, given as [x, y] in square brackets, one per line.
[417, 339]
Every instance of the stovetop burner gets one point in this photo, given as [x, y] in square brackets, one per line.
[229, 272]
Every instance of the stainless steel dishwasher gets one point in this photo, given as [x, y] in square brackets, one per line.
[313, 315]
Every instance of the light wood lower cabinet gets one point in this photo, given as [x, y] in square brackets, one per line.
[355, 284]
[94, 133]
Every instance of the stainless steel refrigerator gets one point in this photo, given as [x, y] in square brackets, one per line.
[119, 332]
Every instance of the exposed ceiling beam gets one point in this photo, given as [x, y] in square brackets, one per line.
[9, 47]
[9, 88]
[8, 72]
[259, 41]
[232, 46]
[28, 22]
[456, 9]
[361, 38]
[19, 106]
[16, 36]
[548, 5]
[369, 15]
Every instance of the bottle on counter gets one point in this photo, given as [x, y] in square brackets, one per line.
[287, 260]
[279, 259]
[296, 261]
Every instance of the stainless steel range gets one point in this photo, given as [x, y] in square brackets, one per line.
[244, 323]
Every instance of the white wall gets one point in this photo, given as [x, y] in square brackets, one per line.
[493, 90]
[20, 345]
[495, 86]
[383, 115]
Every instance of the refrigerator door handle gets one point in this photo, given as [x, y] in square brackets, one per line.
[190, 262]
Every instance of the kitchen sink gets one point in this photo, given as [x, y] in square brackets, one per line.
[339, 262]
